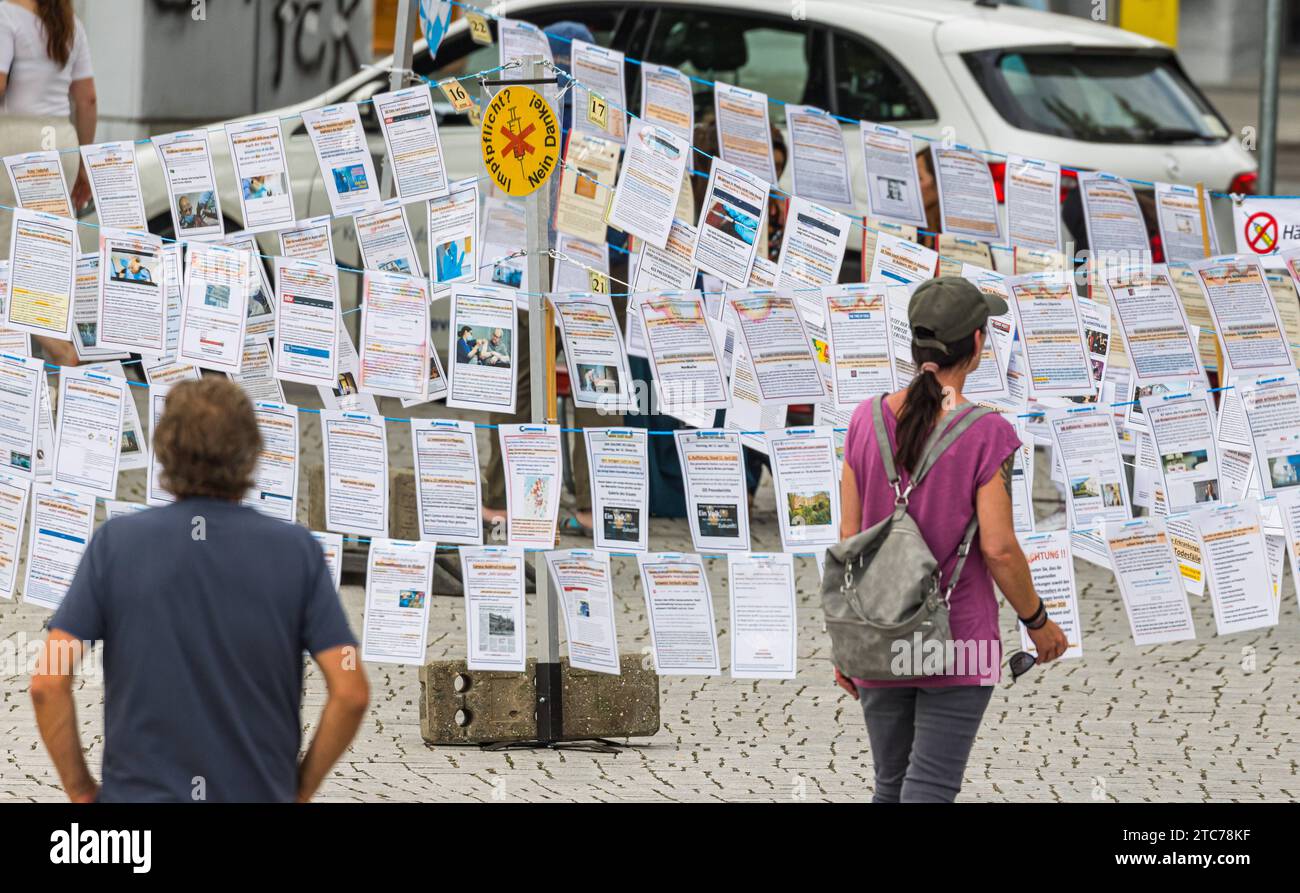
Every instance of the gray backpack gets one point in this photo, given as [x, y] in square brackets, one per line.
[882, 587]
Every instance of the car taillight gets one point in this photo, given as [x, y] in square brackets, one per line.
[999, 171]
[1244, 183]
[1069, 180]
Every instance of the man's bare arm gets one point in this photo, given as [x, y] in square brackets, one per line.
[345, 707]
[56, 714]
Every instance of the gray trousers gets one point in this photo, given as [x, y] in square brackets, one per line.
[921, 739]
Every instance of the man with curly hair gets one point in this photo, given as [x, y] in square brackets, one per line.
[204, 608]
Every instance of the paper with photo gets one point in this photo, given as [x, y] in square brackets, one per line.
[763, 626]
[88, 442]
[115, 184]
[598, 75]
[733, 215]
[307, 322]
[534, 477]
[447, 481]
[38, 183]
[385, 240]
[1179, 219]
[713, 480]
[399, 584]
[496, 614]
[343, 154]
[645, 199]
[687, 367]
[584, 583]
[1051, 566]
[261, 174]
[61, 526]
[504, 232]
[667, 99]
[21, 379]
[807, 492]
[1149, 582]
[1096, 488]
[812, 248]
[481, 349]
[131, 312]
[1050, 331]
[214, 307]
[893, 183]
[679, 606]
[968, 204]
[1272, 411]
[13, 515]
[1182, 427]
[42, 274]
[1111, 214]
[256, 373]
[593, 351]
[1236, 565]
[411, 137]
[900, 262]
[819, 165]
[620, 488]
[85, 312]
[453, 236]
[345, 395]
[355, 446]
[394, 336]
[1245, 316]
[275, 476]
[195, 203]
[309, 240]
[587, 181]
[132, 450]
[1033, 191]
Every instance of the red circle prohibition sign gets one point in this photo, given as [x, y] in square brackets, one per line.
[1261, 232]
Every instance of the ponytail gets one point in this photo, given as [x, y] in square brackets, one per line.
[923, 400]
[60, 28]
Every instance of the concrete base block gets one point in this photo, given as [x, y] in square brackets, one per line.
[495, 707]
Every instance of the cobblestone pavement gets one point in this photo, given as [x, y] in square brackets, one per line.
[1213, 719]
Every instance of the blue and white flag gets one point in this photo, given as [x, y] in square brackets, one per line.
[435, 18]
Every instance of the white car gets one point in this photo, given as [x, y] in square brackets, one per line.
[1003, 78]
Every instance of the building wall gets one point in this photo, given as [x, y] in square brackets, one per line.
[167, 64]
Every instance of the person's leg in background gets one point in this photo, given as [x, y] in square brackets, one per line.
[890, 714]
[947, 719]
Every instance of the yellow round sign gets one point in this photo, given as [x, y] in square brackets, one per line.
[521, 140]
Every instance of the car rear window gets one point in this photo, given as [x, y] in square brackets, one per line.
[1096, 97]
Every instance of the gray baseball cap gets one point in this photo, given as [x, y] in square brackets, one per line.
[949, 308]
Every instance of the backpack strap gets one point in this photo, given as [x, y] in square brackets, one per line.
[963, 550]
[882, 443]
[938, 444]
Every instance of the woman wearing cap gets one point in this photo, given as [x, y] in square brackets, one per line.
[922, 730]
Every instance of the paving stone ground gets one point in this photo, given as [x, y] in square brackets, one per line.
[1210, 720]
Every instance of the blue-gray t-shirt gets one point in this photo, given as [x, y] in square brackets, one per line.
[204, 608]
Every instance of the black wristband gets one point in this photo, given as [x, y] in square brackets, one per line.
[1037, 619]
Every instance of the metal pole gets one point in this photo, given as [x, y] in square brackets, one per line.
[1268, 96]
[403, 54]
[541, 370]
